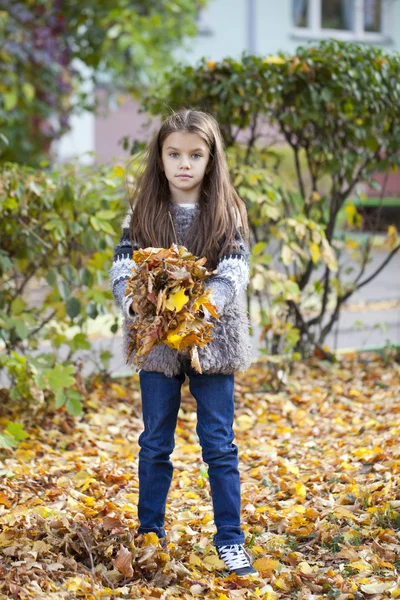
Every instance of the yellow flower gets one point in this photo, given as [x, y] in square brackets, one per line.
[274, 60]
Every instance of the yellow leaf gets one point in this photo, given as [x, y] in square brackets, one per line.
[244, 422]
[174, 340]
[354, 392]
[191, 495]
[341, 511]
[312, 514]
[392, 235]
[314, 251]
[304, 567]
[258, 282]
[177, 301]
[118, 171]
[360, 565]
[210, 64]
[266, 564]
[119, 389]
[201, 300]
[77, 584]
[300, 489]
[274, 60]
[24, 455]
[315, 197]
[213, 562]
[281, 584]
[195, 560]
[206, 519]
[286, 255]
[150, 538]
[374, 588]
[292, 468]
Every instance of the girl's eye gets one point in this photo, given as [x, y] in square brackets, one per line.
[173, 154]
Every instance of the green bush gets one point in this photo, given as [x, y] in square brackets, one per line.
[335, 104]
[58, 232]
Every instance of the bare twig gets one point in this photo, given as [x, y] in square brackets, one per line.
[25, 226]
[47, 319]
[92, 571]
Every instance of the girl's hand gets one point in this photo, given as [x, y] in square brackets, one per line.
[129, 313]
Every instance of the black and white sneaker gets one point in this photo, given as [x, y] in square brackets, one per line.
[237, 559]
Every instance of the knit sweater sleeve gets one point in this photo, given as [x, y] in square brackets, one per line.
[121, 269]
[232, 277]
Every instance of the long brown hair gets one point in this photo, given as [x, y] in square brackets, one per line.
[222, 212]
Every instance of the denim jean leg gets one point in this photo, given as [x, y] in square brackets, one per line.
[215, 414]
[161, 398]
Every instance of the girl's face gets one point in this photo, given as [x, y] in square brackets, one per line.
[185, 157]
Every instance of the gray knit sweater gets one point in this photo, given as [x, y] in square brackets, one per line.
[230, 349]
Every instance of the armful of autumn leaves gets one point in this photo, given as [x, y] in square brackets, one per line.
[168, 296]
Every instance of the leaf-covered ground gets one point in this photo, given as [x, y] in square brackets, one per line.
[320, 472]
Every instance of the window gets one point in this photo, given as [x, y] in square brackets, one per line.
[337, 14]
[343, 19]
[373, 15]
[203, 22]
[300, 13]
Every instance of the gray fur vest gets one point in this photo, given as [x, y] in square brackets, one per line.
[230, 349]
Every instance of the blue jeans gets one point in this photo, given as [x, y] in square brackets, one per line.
[161, 398]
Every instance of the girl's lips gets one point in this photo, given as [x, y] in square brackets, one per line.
[184, 176]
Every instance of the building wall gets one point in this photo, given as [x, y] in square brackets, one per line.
[272, 29]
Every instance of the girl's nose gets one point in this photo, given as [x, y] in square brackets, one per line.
[185, 163]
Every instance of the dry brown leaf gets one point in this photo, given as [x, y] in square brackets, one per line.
[123, 561]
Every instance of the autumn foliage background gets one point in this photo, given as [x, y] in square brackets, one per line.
[317, 431]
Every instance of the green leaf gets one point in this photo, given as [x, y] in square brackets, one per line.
[60, 399]
[372, 143]
[16, 430]
[74, 403]
[52, 277]
[79, 342]
[259, 248]
[7, 441]
[9, 100]
[73, 306]
[10, 204]
[17, 306]
[95, 223]
[106, 215]
[60, 377]
[105, 357]
[29, 91]
[287, 255]
[21, 329]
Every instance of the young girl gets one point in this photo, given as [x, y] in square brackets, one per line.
[186, 180]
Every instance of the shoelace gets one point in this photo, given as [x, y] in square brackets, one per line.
[235, 556]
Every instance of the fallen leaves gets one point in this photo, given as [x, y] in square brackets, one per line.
[320, 481]
[168, 294]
